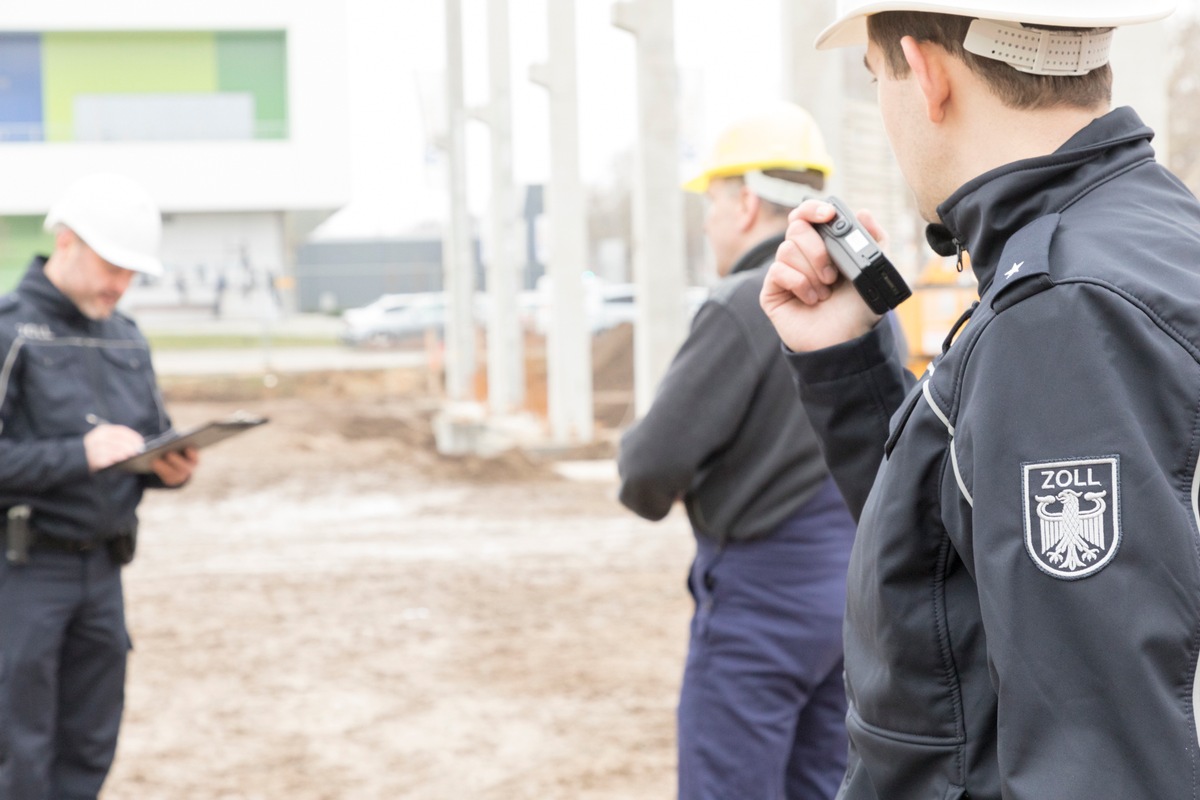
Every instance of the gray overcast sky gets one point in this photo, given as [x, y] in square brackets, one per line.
[731, 57]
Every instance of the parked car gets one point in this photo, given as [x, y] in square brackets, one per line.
[394, 317]
[617, 304]
[609, 304]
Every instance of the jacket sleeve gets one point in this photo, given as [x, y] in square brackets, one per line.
[151, 480]
[1070, 496]
[697, 411]
[850, 392]
[32, 465]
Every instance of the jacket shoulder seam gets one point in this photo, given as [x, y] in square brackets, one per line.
[1175, 334]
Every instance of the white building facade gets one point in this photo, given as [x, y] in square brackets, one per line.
[232, 113]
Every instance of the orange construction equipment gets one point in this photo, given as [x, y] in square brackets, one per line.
[940, 296]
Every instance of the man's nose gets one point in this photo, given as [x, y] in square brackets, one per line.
[121, 280]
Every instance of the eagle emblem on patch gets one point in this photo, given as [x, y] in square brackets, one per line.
[1072, 515]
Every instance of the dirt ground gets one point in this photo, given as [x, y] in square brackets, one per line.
[332, 610]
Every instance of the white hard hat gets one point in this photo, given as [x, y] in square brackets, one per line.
[851, 25]
[115, 217]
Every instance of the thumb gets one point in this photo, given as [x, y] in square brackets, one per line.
[872, 225]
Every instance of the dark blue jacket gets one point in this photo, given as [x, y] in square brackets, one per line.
[1023, 612]
[60, 372]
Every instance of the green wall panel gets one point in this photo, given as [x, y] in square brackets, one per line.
[256, 62]
[21, 238]
[121, 62]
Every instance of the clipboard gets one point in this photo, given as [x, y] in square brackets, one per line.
[200, 436]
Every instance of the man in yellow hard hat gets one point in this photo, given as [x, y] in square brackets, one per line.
[77, 396]
[1023, 617]
[761, 712]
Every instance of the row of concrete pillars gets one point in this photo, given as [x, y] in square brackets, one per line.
[658, 257]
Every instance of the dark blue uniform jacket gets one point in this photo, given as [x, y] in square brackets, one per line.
[60, 373]
[1024, 593]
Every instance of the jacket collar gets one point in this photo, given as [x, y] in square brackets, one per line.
[755, 256]
[38, 289]
[982, 215]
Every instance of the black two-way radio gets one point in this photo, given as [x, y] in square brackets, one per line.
[858, 256]
[854, 252]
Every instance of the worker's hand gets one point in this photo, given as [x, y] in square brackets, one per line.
[174, 469]
[804, 295]
[107, 444]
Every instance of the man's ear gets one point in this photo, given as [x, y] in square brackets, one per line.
[64, 237]
[749, 205]
[928, 64]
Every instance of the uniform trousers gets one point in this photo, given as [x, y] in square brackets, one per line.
[63, 650]
[762, 708]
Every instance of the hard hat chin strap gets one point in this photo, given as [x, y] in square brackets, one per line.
[1039, 51]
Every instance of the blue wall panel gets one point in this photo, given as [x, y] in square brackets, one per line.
[21, 87]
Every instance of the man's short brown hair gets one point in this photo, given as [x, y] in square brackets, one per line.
[1015, 89]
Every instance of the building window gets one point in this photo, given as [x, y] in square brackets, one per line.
[116, 86]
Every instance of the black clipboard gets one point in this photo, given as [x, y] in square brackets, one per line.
[200, 436]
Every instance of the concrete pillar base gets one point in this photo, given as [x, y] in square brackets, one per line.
[466, 429]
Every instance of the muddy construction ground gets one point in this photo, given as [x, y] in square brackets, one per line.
[332, 610]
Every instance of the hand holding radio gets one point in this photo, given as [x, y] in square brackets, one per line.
[858, 256]
[803, 294]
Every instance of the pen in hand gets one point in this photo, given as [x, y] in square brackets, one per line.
[106, 444]
[96, 421]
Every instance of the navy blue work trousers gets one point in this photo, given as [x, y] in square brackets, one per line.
[63, 648]
[762, 709]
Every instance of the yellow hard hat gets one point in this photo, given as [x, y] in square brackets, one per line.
[783, 136]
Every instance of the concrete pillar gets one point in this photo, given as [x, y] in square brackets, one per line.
[458, 261]
[815, 78]
[505, 344]
[568, 341]
[658, 247]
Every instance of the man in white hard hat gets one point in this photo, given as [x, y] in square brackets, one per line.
[77, 395]
[762, 708]
[1023, 616]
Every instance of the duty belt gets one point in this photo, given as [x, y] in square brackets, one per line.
[41, 541]
[20, 537]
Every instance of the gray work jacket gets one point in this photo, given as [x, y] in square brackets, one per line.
[725, 432]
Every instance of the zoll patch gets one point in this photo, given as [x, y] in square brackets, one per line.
[1072, 515]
